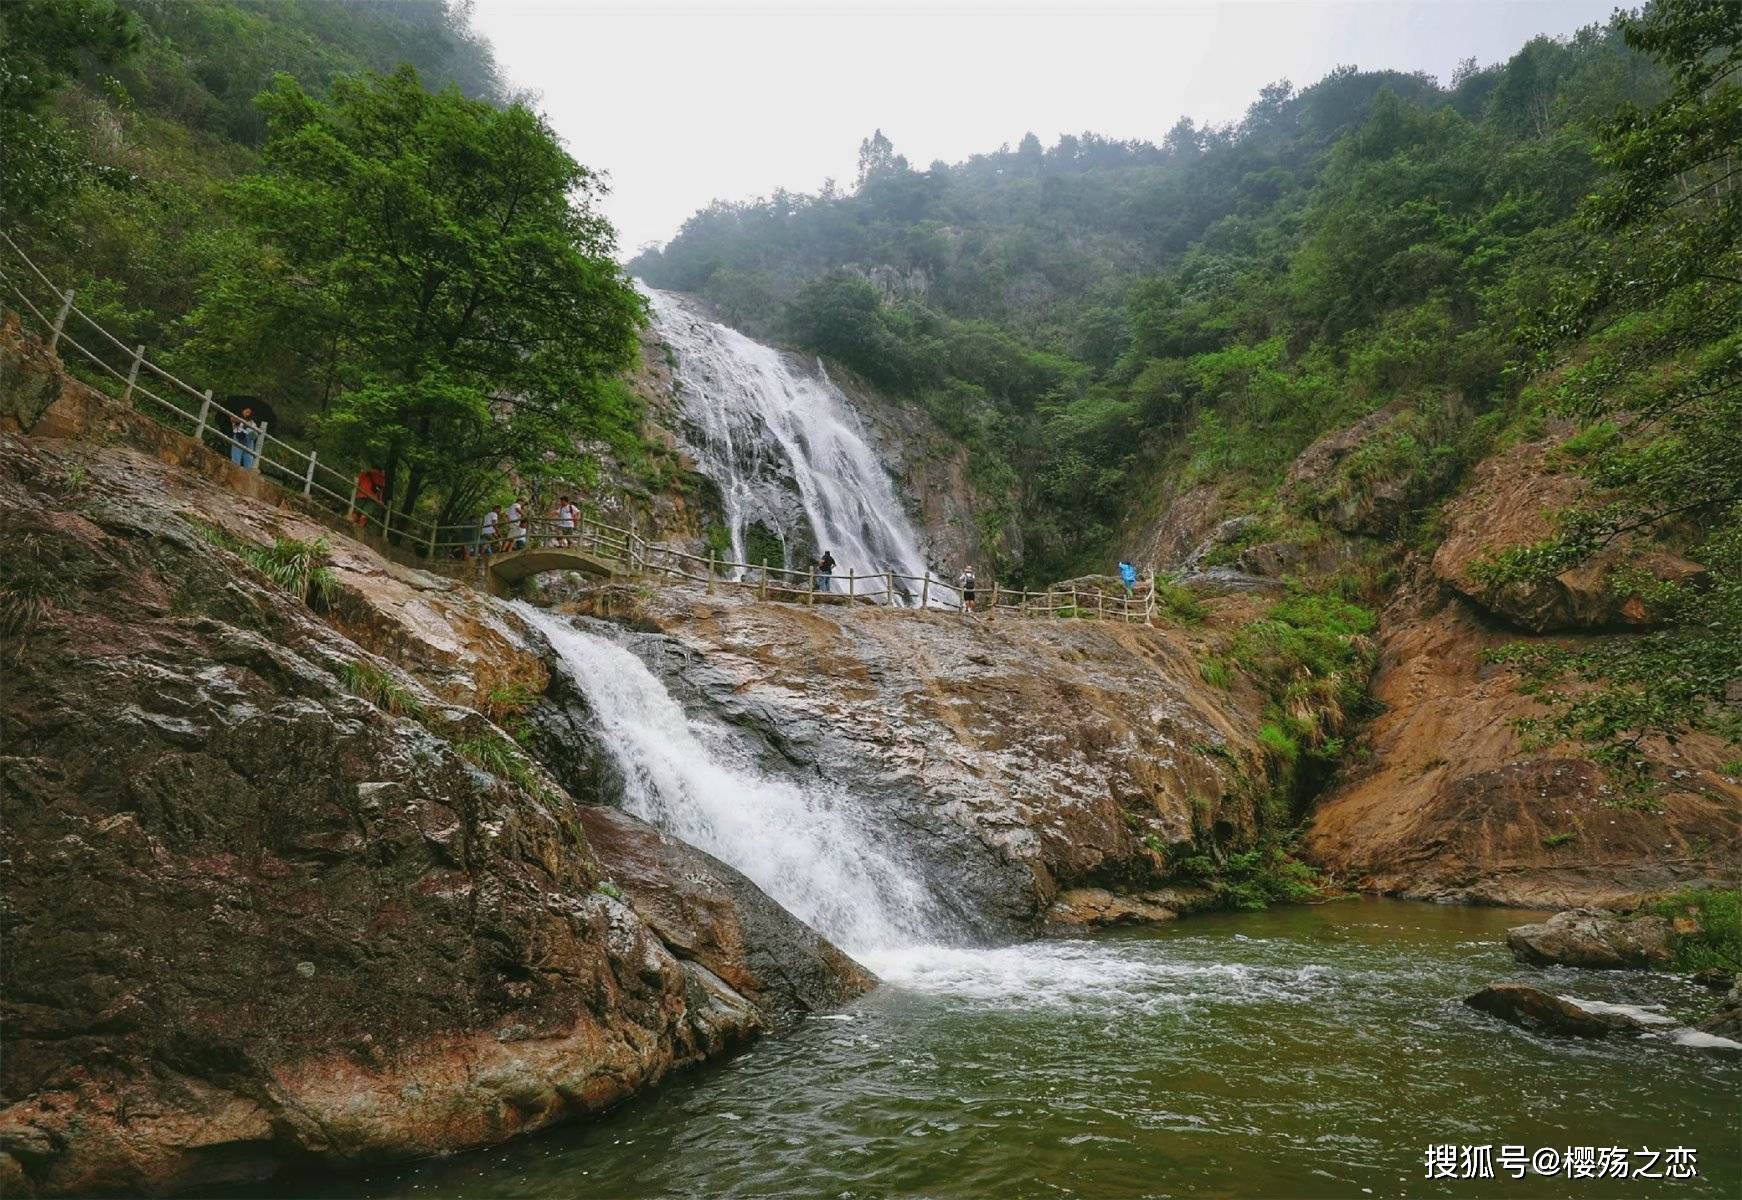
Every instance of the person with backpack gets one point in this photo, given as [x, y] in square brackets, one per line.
[965, 582]
[1127, 576]
[566, 516]
[825, 568]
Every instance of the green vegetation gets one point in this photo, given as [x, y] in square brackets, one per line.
[380, 688]
[267, 195]
[1550, 841]
[490, 751]
[1312, 654]
[297, 566]
[1251, 880]
[1644, 350]
[1104, 323]
[1718, 939]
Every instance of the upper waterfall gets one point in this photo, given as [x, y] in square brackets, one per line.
[786, 450]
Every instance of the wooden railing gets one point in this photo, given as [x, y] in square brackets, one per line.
[181, 406]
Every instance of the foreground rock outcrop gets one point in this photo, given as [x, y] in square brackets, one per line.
[262, 903]
[1022, 756]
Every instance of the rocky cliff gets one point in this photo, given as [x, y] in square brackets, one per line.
[1449, 802]
[1025, 756]
[278, 890]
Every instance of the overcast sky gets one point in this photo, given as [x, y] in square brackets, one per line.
[685, 102]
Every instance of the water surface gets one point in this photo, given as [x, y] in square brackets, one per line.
[1312, 1052]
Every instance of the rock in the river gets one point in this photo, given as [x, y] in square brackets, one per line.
[1098, 906]
[1726, 1021]
[1587, 937]
[1533, 1008]
[707, 912]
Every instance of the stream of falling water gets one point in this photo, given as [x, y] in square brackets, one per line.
[786, 450]
[808, 846]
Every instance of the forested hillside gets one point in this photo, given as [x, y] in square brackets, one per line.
[1105, 319]
[334, 211]
[1548, 246]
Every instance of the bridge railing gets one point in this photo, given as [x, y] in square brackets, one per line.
[180, 405]
[125, 373]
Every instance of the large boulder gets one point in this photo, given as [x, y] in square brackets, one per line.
[707, 912]
[1588, 937]
[1321, 480]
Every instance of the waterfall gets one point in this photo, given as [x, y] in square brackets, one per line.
[809, 847]
[785, 449]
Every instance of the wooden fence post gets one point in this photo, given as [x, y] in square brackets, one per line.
[308, 478]
[60, 321]
[205, 411]
[433, 530]
[764, 592]
[925, 590]
[993, 607]
[133, 374]
[1100, 606]
[259, 451]
[711, 572]
[889, 588]
[850, 584]
[351, 508]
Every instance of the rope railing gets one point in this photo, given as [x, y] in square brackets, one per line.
[621, 550]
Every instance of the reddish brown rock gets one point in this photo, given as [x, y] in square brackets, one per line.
[253, 918]
[1511, 502]
[1449, 804]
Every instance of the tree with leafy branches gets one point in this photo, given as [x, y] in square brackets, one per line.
[434, 268]
[43, 44]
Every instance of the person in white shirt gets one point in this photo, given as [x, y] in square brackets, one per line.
[487, 531]
[517, 523]
[566, 515]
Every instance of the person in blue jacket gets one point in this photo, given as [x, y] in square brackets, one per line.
[1128, 575]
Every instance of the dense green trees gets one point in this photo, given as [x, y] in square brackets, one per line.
[42, 45]
[276, 206]
[1154, 316]
[432, 268]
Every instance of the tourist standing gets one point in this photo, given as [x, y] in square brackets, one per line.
[825, 568]
[965, 581]
[566, 515]
[244, 440]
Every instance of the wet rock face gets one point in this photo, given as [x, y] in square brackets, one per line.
[1020, 756]
[1590, 938]
[708, 913]
[251, 917]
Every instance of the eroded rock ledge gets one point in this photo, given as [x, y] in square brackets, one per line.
[253, 918]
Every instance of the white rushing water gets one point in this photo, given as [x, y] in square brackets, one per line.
[815, 849]
[785, 449]
[807, 846]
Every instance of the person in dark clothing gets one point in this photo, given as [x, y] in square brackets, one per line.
[825, 568]
[966, 582]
